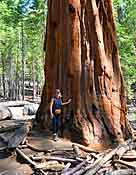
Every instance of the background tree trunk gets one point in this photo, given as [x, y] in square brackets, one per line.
[17, 75]
[33, 78]
[11, 83]
[3, 76]
[23, 60]
[82, 60]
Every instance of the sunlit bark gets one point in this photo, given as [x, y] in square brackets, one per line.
[82, 60]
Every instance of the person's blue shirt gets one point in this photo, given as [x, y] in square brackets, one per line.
[57, 104]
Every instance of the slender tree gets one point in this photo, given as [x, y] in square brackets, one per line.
[3, 76]
[33, 79]
[23, 61]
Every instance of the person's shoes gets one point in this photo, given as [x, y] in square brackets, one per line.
[55, 137]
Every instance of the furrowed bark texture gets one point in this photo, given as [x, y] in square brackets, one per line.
[82, 60]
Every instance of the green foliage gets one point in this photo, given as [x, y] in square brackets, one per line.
[30, 13]
[126, 30]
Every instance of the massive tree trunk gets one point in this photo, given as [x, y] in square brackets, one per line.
[82, 60]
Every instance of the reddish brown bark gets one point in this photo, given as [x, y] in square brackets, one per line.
[82, 60]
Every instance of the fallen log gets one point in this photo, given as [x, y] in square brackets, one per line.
[131, 155]
[19, 135]
[79, 159]
[119, 151]
[9, 125]
[3, 148]
[66, 168]
[10, 128]
[4, 138]
[84, 148]
[14, 103]
[51, 166]
[4, 112]
[22, 146]
[128, 164]
[53, 158]
[122, 149]
[29, 160]
[93, 168]
[79, 166]
[108, 163]
[76, 150]
[123, 172]
[105, 169]
[37, 158]
[24, 141]
[73, 170]
[12, 133]
[81, 171]
[94, 155]
[25, 157]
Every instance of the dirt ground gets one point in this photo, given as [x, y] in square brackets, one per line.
[10, 164]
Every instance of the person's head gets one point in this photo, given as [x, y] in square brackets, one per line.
[58, 93]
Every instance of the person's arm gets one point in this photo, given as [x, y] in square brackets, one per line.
[51, 104]
[66, 103]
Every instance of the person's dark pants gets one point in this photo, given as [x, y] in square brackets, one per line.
[55, 124]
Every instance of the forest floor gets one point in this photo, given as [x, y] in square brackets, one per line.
[10, 164]
[41, 140]
[40, 148]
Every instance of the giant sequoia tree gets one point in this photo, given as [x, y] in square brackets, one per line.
[82, 60]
